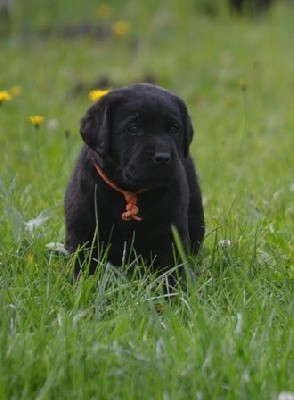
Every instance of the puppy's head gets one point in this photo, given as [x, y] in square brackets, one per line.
[139, 133]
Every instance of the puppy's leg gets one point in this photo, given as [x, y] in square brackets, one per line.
[80, 239]
[168, 260]
[84, 254]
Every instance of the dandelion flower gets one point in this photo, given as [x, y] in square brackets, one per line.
[4, 96]
[36, 120]
[95, 95]
[30, 257]
[243, 85]
[104, 11]
[159, 308]
[15, 91]
[121, 28]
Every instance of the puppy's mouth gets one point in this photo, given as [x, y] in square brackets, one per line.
[135, 182]
[130, 180]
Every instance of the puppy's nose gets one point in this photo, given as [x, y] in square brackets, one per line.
[162, 157]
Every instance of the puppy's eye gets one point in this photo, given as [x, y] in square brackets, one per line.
[133, 129]
[174, 130]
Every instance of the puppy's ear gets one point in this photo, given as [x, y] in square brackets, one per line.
[95, 127]
[188, 128]
[188, 136]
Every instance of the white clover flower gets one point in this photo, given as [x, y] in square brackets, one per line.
[286, 396]
[224, 243]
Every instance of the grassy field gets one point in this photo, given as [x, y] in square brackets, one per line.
[231, 335]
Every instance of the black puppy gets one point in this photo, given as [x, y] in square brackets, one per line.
[134, 179]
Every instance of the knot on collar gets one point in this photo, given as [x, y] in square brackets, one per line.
[131, 207]
[131, 199]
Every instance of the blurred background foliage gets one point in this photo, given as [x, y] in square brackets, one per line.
[230, 60]
[24, 17]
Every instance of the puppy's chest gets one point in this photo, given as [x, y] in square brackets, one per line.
[155, 206]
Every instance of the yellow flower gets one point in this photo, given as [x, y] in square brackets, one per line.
[103, 11]
[159, 308]
[36, 120]
[243, 85]
[15, 91]
[121, 28]
[4, 96]
[95, 95]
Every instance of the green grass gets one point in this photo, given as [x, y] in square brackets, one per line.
[231, 335]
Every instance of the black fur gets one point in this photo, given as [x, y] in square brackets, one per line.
[140, 136]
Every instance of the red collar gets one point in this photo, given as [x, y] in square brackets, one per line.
[130, 197]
